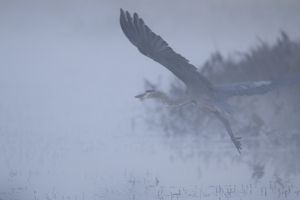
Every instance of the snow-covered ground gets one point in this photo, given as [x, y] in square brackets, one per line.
[69, 125]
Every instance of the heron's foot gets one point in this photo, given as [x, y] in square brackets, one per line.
[238, 144]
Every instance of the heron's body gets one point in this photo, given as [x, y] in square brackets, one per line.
[201, 93]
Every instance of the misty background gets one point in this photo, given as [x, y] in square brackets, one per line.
[70, 126]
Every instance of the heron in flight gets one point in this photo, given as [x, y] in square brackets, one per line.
[200, 91]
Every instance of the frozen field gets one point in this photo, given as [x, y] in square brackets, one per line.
[71, 129]
[75, 166]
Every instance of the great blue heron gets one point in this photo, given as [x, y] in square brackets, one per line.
[200, 92]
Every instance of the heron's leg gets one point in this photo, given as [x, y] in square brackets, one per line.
[237, 143]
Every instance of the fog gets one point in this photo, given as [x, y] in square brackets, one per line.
[70, 126]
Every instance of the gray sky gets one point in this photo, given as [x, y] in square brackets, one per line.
[69, 75]
[45, 39]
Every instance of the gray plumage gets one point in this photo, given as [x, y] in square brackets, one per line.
[248, 88]
[201, 93]
[167, 101]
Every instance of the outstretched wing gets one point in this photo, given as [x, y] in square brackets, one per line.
[228, 90]
[153, 46]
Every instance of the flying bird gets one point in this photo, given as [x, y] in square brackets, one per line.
[201, 93]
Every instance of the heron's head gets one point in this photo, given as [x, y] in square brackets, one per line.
[148, 95]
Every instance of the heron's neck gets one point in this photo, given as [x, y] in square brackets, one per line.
[171, 103]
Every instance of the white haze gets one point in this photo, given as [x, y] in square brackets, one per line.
[69, 125]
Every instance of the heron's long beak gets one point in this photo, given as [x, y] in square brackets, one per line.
[141, 96]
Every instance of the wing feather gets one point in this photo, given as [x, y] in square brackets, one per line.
[153, 46]
[228, 90]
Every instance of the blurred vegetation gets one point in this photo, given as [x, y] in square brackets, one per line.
[268, 124]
